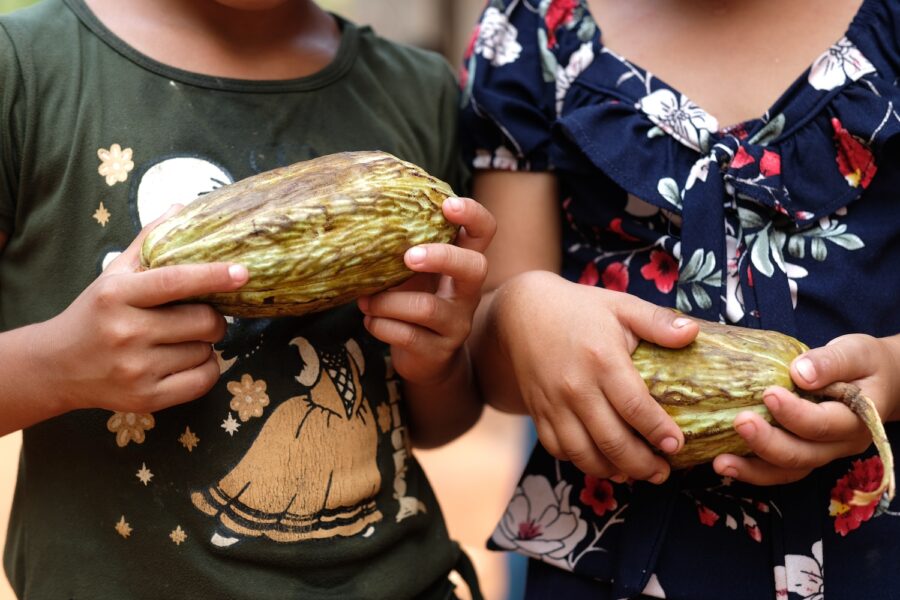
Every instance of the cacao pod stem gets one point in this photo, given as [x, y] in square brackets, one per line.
[865, 409]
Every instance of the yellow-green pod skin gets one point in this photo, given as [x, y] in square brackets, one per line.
[313, 235]
[704, 385]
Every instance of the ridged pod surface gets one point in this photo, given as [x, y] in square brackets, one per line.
[313, 235]
[725, 371]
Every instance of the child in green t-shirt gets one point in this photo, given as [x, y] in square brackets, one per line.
[171, 452]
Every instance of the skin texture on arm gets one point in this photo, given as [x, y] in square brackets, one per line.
[561, 351]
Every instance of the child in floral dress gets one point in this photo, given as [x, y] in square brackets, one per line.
[647, 155]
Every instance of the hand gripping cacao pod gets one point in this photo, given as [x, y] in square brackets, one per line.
[704, 386]
[313, 235]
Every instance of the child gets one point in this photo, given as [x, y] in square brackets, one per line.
[275, 463]
[745, 204]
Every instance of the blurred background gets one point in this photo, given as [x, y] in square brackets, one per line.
[475, 475]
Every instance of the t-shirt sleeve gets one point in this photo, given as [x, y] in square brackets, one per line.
[11, 101]
[508, 88]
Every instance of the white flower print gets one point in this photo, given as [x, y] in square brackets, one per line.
[497, 38]
[482, 159]
[699, 171]
[540, 523]
[802, 575]
[840, 63]
[679, 117]
[504, 159]
[578, 62]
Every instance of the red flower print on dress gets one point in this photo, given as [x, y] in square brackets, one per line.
[865, 475]
[741, 158]
[615, 277]
[599, 495]
[616, 227]
[559, 13]
[770, 164]
[707, 516]
[589, 276]
[854, 159]
[662, 269]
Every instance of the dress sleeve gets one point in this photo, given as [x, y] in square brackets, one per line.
[508, 83]
[11, 108]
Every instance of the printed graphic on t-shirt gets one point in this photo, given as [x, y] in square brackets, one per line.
[312, 470]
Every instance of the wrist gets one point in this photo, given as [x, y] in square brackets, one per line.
[41, 367]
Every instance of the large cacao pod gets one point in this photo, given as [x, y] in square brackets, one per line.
[313, 235]
[726, 370]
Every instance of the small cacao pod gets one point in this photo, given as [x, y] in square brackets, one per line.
[725, 370]
[313, 235]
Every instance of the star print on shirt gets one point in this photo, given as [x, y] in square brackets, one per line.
[144, 474]
[123, 528]
[189, 439]
[230, 425]
[101, 215]
[178, 535]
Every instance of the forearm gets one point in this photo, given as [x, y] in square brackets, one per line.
[25, 396]
[494, 373]
[442, 411]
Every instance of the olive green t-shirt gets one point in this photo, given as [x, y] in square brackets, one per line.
[293, 477]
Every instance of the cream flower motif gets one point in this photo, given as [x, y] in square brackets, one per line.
[130, 427]
[840, 63]
[249, 397]
[580, 60]
[115, 163]
[679, 117]
[540, 523]
[497, 38]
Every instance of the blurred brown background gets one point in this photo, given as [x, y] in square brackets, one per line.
[475, 475]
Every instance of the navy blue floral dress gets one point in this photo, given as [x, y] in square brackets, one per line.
[790, 222]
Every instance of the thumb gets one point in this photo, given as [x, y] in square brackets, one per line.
[130, 260]
[842, 359]
[662, 326]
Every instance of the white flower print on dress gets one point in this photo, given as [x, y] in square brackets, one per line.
[679, 117]
[578, 62]
[801, 575]
[504, 159]
[840, 63]
[497, 39]
[540, 523]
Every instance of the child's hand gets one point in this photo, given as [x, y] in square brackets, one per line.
[569, 346]
[816, 434]
[122, 346]
[427, 319]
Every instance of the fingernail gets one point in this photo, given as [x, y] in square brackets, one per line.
[620, 478]
[658, 478]
[747, 430]
[669, 445]
[238, 273]
[806, 369]
[729, 472]
[454, 204]
[680, 323]
[416, 255]
[772, 402]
